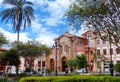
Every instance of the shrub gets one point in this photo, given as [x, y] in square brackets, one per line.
[117, 67]
[3, 80]
[80, 78]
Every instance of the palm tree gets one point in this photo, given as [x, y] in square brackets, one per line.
[19, 14]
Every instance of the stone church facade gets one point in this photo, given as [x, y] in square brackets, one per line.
[68, 46]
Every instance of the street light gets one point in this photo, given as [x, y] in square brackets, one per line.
[56, 72]
[111, 61]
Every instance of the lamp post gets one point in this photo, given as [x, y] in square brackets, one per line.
[111, 61]
[41, 63]
[56, 72]
[88, 57]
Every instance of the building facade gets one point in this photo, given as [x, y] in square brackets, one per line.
[103, 48]
[68, 46]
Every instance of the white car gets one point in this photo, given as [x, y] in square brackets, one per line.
[19, 72]
[82, 70]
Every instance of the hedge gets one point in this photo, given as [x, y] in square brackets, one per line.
[3, 80]
[71, 79]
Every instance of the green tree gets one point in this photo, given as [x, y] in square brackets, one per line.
[82, 61]
[20, 13]
[11, 58]
[32, 50]
[48, 71]
[14, 44]
[72, 63]
[3, 39]
[117, 67]
[97, 64]
[1, 55]
[102, 16]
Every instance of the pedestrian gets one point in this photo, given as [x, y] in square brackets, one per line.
[71, 69]
[66, 71]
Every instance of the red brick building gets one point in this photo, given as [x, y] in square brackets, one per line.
[68, 46]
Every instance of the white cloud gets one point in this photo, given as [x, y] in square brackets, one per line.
[36, 26]
[79, 32]
[1, 2]
[39, 2]
[51, 21]
[47, 38]
[44, 34]
[55, 10]
[13, 36]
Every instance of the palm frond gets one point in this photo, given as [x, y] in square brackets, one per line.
[12, 2]
[28, 3]
[5, 14]
[25, 23]
[29, 10]
[28, 20]
[21, 13]
[9, 15]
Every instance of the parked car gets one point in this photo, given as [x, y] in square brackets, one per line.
[82, 70]
[19, 72]
[36, 74]
[33, 73]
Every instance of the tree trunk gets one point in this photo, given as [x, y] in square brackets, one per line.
[17, 48]
[100, 70]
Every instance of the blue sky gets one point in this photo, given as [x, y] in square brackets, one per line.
[49, 22]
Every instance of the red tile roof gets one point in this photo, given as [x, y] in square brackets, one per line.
[2, 49]
[67, 34]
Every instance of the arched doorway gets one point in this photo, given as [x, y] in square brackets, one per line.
[64, 66]
[52, 64]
